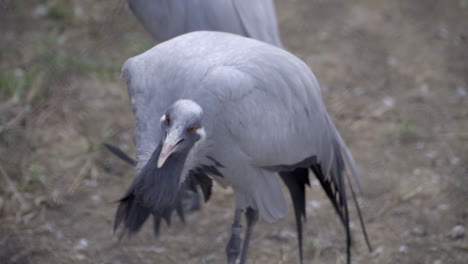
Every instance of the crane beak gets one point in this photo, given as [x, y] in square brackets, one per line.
[169, 146]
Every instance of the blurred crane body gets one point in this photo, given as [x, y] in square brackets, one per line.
[166, 19]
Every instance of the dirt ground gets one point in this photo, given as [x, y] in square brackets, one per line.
[394, 76]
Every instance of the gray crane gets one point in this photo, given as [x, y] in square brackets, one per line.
[241, 111]
[166, 19]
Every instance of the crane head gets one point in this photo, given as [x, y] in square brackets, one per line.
[182, 127]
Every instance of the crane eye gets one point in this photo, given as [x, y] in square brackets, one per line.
[191, 129]
[168, 119]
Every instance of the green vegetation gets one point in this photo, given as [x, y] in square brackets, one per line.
[15, 82]
[408, 131]
[108, 133]
[407, 127]
[61, 11]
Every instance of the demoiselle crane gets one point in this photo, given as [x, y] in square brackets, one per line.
[166, 19]
[240, 111]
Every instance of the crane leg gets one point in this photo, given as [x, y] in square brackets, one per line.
[233, 246]
[251, 216]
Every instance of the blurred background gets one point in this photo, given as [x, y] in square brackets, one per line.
[394, 76]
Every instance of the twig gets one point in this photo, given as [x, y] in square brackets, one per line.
[13, 121]
[142, 250]
[10, 103]
[79, 177]
[15, 99]
[412, 193]
[35, 88]
[318, 251]
[13, 188]
[22, 254]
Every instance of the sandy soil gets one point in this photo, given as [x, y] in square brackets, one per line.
[395, 80]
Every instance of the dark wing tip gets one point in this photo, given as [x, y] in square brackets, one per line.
[199, 178]
[120, 154]
[336, 193]
[156, 224]
[206, 185]
[296, 181]
[131, 215]
[361, 220]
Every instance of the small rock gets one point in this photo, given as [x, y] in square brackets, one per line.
[443, 32]
[284, 235]
[49, 227]
[405, 234]
[80, 257]
[437, 261]
[158, 250]
[211, 258]
[403, 249]
[82, 244]
[460, 91]
[457, 232]
[314, 182]
[378, 251]
[454, 161]
[315, 204]
[361, 203]
[443, 207]
[90, 183]
[420, 145]
[40, 11]
[392, 61]
[96, 198]
[431, 154]
[417, 171]
[359, 91]
[18, 72]
[389, 101]
[78, 11]
[221, 237]
[418, 231]
[59, 235]
[424, 89]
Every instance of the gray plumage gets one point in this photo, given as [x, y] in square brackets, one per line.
[166, 19]
[256, 110]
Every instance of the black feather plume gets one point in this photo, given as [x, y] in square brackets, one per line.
[296, 181]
